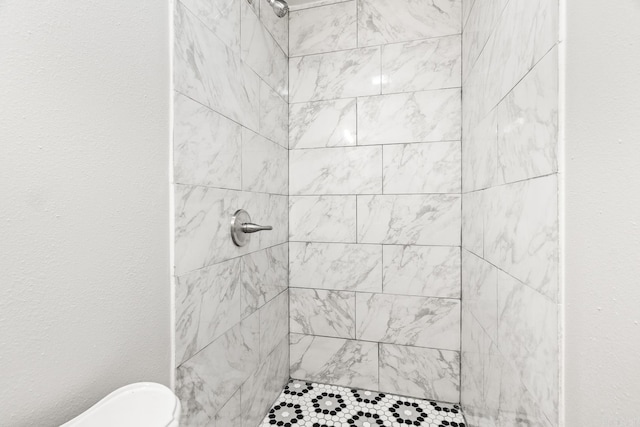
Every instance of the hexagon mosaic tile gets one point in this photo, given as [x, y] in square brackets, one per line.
[307, 404]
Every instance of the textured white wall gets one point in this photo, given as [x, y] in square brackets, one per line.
[602, 213]
[84, 211]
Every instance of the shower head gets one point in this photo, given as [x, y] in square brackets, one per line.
[280, 7]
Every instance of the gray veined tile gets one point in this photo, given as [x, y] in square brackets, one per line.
[322, 124]
[521, 233]
[274, 116]
[209, 379]
[323, 29]
[408, 320]
[410, 117]
[230, 414]
[277, 27]
[421, 372]
[206, 146]
[473, 216]
[334, 361]
[276, 214]
[389, 21]
[264, 164]
[326, 313]
[414, 219]
[528, 124]
[422, 271]
[220, 16]
[528, 338]
[433, 167]
[348, 170]
[480, 290]
[207, 305]
[343, 74]
[322, 218]
[264, 276]
[421, 65]
[335, 266]
[479, 154]
[274, 324]
[206, 70]
[261, 52]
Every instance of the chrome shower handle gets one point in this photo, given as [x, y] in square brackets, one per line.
[254, 228]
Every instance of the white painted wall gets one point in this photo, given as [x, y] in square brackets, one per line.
[602, 197]
[84, 203]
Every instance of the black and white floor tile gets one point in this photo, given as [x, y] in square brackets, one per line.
[307, 404]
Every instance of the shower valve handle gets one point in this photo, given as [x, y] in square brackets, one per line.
[242, 228]
[254, 228]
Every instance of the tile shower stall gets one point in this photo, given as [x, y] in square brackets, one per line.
[404, 152]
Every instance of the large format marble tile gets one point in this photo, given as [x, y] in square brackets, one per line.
[420, 372]
[326, 313]
[209, 379]
[343, 74]
[410, 117]
[479, 154]
[408, 320]
[323, 29]
[433, 167]
[528, 123]
[207, 305]
[211, 73]
[276, 215]
[206, 146]
[422, 271]
[388, 21]
[405, 220]
[264, 276]
[264, 164]
[473, 215]
[348, 170]
[421, 65]
[231, 413]
[335, 266]
[528, 338]
[220, 16]
[263, 387]
[274, 323]
[467, 6]
[322, 124]
[274, 116]
[261, 52]
[482, 21]
[334, 361]
[322, 218]
[480, 290]
[277, 27]
[521, 233]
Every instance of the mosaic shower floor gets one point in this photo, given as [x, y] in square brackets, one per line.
[306, 404]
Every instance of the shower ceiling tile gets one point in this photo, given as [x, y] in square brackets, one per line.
[344, 74]
[334, 361]
[264, 164]
[322, 124]
[410, 117]
[350, 170]
[420, 372]
[433, 167]
[323, 29]
[422, 271]
[326, 313]
[421, 65]
[335, 266]
[406, 220]
[408, 320]
[389, 21]
[322, 218]
[206, 146]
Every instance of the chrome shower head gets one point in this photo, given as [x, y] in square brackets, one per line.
[280, 7]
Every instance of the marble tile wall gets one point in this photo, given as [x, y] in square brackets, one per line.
[230, 152]
[375, 195]
[510, 360]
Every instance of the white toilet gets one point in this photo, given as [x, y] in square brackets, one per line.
[134, 405]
